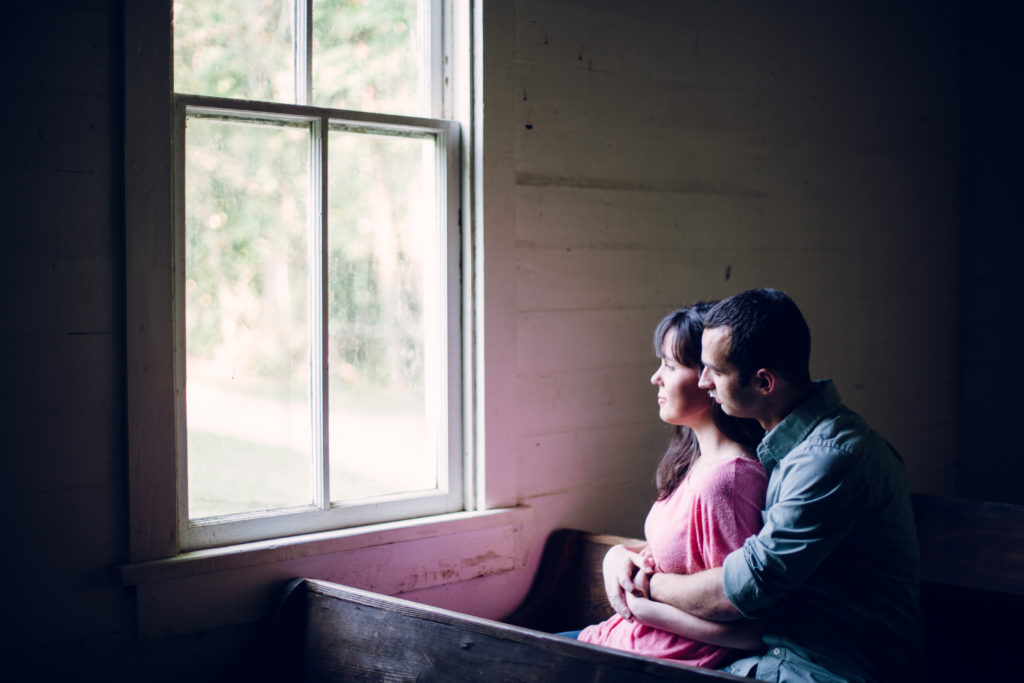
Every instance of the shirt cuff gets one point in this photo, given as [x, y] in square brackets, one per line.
[738, 582]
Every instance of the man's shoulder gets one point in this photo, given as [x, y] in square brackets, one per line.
[837, 436]
[841, 424]
[840, 445]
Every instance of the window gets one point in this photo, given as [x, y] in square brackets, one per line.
[316, 275]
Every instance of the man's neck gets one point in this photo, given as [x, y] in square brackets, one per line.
[789, 398]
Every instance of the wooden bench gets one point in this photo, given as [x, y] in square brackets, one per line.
[972, 587]
[972, 579]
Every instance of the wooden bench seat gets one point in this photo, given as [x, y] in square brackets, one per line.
[337, 633]
[972, 558]
[972, 588]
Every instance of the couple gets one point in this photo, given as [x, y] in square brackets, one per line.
[782, 528]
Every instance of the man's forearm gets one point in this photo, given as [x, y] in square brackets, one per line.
[699, 594]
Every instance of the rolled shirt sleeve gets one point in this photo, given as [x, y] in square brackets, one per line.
[834, 570]
[815, 497]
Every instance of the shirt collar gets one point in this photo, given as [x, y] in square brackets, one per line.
[795, 427]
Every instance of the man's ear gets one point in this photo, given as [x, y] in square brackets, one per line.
[764, 381]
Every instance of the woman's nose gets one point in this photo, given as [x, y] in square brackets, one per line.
[655, 378]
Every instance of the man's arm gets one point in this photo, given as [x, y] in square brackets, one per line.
[699, 594]
[744, 634]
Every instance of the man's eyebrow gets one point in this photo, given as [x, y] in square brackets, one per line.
[710, 365]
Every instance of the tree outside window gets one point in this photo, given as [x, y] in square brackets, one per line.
[315, 268]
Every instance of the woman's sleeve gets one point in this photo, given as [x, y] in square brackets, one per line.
[731, 509]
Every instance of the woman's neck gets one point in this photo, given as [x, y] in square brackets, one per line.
[712, 442]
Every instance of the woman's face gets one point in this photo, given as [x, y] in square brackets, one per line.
[679, 397]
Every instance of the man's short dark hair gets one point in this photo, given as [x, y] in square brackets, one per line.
[767, 330]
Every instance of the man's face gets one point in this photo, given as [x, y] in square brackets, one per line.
[721, 379]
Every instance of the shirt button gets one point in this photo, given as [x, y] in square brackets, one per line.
[776, 652]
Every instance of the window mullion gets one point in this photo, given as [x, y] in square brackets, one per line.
[302, 40]
[318, 318]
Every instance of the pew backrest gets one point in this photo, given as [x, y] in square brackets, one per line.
[972, 579]
[970, 544]
[329, 632]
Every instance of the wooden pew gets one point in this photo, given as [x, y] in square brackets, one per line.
[972, 588]
[972, 560]
[568, 592]
[329, 632]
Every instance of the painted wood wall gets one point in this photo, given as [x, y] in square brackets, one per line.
[670, 152]
[992, 102]
[637, 156]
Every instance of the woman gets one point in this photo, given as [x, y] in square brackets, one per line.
[711, 492]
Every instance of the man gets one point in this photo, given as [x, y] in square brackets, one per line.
[834, 572]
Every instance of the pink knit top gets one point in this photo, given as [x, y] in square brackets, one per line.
[712, 511]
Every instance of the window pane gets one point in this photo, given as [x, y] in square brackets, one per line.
[234, 48]
[384, 321]
[371, 56]
[247, 316]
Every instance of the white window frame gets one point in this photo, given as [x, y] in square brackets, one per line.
[155, 355]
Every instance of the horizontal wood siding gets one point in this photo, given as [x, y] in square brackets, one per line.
[670, 152]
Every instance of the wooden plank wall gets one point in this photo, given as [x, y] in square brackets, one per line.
[992, 111]
[639, 155]
[668, 152]
[61, 334]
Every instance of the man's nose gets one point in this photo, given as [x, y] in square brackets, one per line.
[704, 381]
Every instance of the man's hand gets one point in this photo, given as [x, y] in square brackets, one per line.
[700, 594]
[744, 634]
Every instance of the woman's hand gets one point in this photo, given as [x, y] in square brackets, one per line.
[742, 634]
[621, 567]
[643, 569]
[641, 607]
[648, 559]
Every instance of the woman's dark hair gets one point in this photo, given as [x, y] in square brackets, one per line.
[688, 325]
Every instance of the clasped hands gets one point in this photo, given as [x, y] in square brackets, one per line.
[627, 580]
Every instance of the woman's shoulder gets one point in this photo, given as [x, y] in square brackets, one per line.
[736, 470]
[733, 483]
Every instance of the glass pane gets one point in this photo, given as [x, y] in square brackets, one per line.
[247, 316]
[384, 321]
[371, 56]
[234, 48]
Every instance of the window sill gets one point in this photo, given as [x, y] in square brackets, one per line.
[208, 589]
[290, 548]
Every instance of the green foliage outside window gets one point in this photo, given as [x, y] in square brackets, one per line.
[251, 289]
[253, 212]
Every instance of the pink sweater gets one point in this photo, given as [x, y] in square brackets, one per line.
[712, 511]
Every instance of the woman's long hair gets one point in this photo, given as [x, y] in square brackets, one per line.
[688, 325]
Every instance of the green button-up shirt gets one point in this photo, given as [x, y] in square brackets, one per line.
[834, 571]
